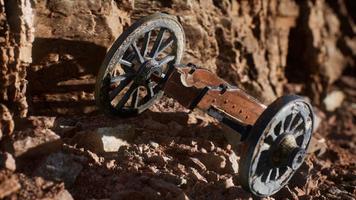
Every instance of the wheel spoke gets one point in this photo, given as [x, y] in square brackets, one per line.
[126, 96]
[120, 87]
[135, 97]
[120, 78]
[300, 121]
[157, 43]
[146, 41]
[291, 121]
[125, 62]
[166, 60]
[261, 162]
[166, 44]
[269, 175]
[282, 126]
[277, 174]
[127, 66]
[149, 88]
[137, 52]
[265, 147]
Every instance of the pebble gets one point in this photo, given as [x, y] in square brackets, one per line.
[195, 175]
[7, 161]
[194, 162]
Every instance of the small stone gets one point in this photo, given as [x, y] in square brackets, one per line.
[95, 157]
[228, 183]
[317, 146]
[232, 164]
[177, 180]
[39, 181]
[203, 150]
[181, 169]
[195, 175]
[194, 162]
[7, 124]
[63, 195]
[7, 161]
[333, 100]
[8, 186]
[212, 176]
[159, 160]
[53, 57]
[154, 144]
[60, 167]
[208, 145]
[213, 161]
[299, 191]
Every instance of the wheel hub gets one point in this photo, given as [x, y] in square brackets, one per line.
[287, 152]
[149, 67]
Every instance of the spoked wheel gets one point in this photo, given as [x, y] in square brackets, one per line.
[136, 67]
[276, 145]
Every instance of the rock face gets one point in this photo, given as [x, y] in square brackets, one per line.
[16, 37]
[321, 45]
[7, 124]
[249, 43]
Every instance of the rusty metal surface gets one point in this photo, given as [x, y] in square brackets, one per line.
[187, 84]
[234, 102]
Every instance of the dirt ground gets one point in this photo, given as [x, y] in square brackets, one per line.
[167, 153]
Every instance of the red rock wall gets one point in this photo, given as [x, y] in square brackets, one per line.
[259, 45]
[16, 36]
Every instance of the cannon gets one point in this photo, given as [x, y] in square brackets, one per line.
[144, 64]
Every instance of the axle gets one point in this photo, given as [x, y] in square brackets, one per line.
[199, 88]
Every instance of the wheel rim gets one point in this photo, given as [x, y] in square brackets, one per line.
[135, 69]
[276, 146]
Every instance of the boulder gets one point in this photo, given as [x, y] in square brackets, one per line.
[33, 142]
[60, 167]
[105, 139]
